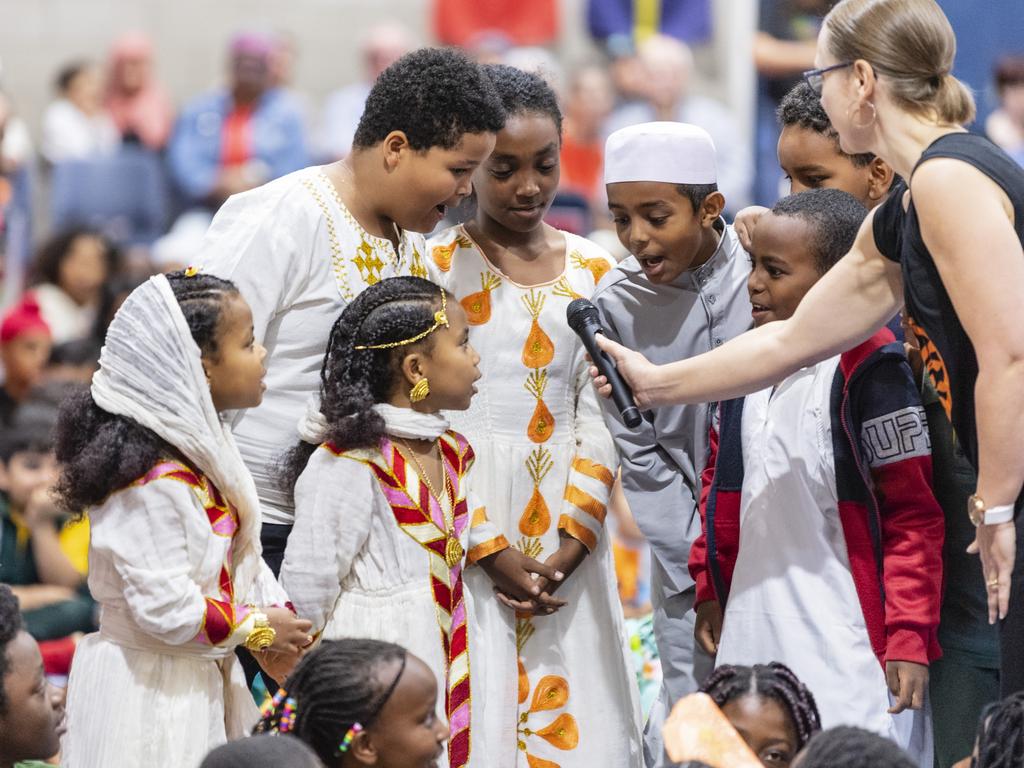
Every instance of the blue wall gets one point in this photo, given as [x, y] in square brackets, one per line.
[985, 30]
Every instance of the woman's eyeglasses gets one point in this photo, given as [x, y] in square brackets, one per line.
[815, 78]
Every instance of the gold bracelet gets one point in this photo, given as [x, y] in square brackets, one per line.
[262, 635]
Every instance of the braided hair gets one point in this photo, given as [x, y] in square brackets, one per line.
[10, 626]
[1001, 734]
[849, 747]
[101, 452]
[341, 683]
[773, 681]
[353, 380]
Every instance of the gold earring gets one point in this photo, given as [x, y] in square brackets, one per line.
[420, 391]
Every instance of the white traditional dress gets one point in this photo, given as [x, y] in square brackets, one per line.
[793, 597]
[174, 563]
[298, 256]
[375, 554]
[560, 690]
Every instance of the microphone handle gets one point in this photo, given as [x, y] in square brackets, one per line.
[622, 395]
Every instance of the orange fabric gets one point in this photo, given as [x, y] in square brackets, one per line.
[236, 137]
[581, 167]
[460, 22]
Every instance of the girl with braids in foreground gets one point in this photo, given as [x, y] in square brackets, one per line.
[361, 702]
[385, 518]
[174, 556]
[769, 707]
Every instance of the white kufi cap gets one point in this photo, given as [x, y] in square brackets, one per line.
[673, 153]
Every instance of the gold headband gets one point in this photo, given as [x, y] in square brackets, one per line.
[440, 318]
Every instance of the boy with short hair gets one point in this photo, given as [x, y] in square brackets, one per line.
[822, 540]
[681, 292]
[25, 344]
[810, 155]
[302, 247]
[31, 709]
[51, 589]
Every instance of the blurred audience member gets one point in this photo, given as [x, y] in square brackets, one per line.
[264, 751]
[459, 22]
[538, 61]
[1005, 126]
[283, 54]
[382, 46]
[588, 103]
[73, 362]
[668, 71]
[25, 345]
[16, 150]
[138, 104]
[77, 126]
[71, 273]
[51, 589]
[488, 47]
[239, 136]
[784, 44]
[686, 20]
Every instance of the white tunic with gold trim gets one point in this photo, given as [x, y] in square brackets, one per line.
[298, 257]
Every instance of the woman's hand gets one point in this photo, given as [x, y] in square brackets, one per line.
[633, 367]
[291, 632]
[997, 545]
[521, 582]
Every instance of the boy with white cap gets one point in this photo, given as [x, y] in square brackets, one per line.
[681, 293]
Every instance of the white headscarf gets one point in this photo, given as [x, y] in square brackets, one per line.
[151, 371]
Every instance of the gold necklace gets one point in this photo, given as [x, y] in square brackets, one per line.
[453, 550]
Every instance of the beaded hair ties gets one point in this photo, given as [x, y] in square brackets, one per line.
[350, 734]
[357, 728]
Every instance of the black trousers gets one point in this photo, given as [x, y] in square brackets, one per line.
[274, 539]
[1011, 629]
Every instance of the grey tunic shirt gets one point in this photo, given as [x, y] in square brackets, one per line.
[662, 459]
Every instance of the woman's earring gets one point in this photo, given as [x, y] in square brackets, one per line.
[420, 391]
[869, 123]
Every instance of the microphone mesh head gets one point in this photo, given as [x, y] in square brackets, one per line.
[579, 312]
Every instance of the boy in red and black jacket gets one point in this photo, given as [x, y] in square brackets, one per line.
[822, 539]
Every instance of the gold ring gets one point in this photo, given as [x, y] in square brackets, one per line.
[993, 582]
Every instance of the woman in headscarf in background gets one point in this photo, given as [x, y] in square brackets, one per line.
[138, 104]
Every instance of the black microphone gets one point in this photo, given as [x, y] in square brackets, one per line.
[583, 318]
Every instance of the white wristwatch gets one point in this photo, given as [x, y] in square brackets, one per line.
[982, 515]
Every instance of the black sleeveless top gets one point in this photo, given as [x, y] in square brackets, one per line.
[947, 350]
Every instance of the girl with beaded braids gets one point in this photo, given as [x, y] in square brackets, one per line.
[386, 519]
[361, 702]
[174, 552]
[546, 459]
[767, 704]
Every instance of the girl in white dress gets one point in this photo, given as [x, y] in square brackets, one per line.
[385, 519]
[560, 691]
[174, 557]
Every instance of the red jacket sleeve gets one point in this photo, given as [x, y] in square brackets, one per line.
[698, 563]
[894, 443]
